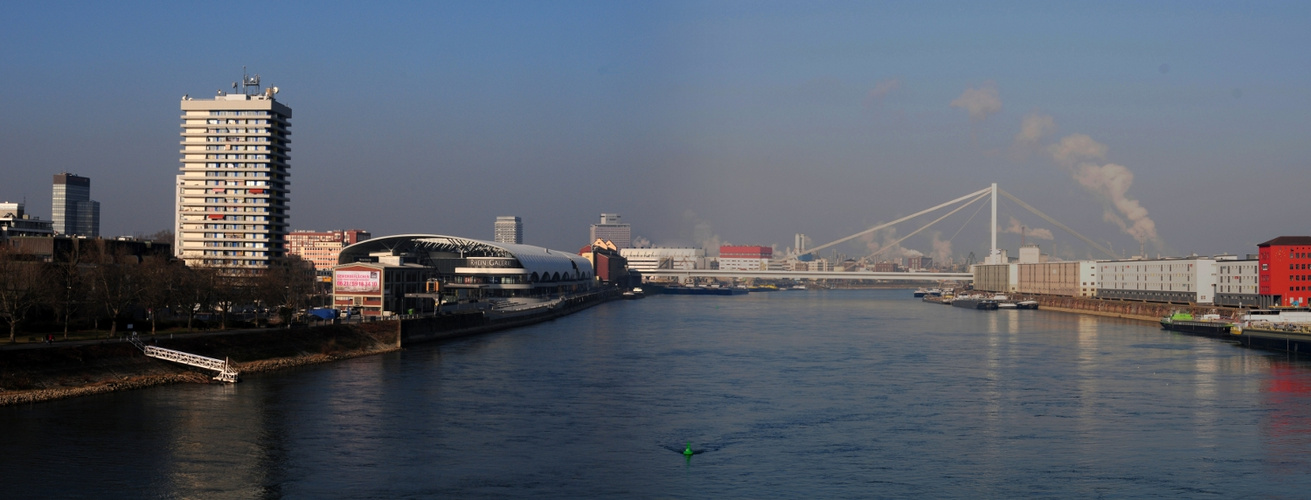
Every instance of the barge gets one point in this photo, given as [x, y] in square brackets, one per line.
[1209, 325]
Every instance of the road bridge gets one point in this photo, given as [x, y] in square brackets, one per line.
[812, 275]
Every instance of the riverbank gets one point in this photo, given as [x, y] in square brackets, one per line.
[57, 372]
[35, 374]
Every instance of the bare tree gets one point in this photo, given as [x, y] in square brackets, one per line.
[64, 286]
[118, 285]
[161, 284]
[161, 236]
[287, 284]
[195, 292]
[20, 279]
[231, 288]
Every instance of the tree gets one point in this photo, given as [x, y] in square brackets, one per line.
[118, 284]
[161, 280]
[20, 279]
[287, 284]
[64, 287]
[161, 236]
[230, 288]
[195, 292]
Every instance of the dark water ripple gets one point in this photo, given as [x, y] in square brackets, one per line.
[829, 394]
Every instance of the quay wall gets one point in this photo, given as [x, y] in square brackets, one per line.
[1125, 309]
[430, 329]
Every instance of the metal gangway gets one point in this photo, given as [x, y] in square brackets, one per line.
[226, 372]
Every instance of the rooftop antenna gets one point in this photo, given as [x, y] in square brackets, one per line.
[248, 82]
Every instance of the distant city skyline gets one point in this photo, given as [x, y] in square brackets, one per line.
[1172, 127]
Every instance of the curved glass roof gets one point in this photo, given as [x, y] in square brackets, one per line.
[431, 248]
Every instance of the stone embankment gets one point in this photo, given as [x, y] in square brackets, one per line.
[1127, 309]
[56, 372]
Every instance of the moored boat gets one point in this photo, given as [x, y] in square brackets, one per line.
[975, 302]
[1209, 325]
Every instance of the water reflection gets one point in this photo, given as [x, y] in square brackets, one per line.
[828, 394]
[1287, 428]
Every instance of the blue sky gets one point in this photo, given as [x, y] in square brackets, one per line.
[754, 120]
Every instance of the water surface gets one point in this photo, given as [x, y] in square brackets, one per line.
[828, 394]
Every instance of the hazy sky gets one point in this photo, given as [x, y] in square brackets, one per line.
[1183, 126]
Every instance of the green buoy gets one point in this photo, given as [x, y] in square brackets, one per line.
[688, 451]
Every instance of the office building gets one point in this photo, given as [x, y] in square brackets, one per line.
[508, 229]
[14, 221]
[614, 231]
[73, 211]
[322, 248]
[232, 192]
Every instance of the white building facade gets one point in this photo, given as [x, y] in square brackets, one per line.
[651, 259]
[1162, 280]
[1236, 282]
[233, 190]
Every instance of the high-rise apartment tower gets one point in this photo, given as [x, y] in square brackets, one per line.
[73, 211]
[508, 229]
[612, 229]
[232, 194]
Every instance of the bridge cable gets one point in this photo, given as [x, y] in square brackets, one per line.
[1058, 224]
[967, 222]
[903, 219]
[926, 226]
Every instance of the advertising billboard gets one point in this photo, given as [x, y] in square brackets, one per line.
[357, 281]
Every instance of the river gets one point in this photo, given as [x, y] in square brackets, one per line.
[819, 393]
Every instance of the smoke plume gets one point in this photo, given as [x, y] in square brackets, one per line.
[1034, 128]
[883, 242]
[980, 102]
[941, 249]
[1076, 148]
[1036, 233]
[703, 235]
[1082, 156]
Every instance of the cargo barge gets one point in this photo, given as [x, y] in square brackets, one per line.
[1281, 329]
[703, 290]
[1209, 325]
[974, 302]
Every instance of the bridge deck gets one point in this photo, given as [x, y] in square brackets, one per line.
[832, 275]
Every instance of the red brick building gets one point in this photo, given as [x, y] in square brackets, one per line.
[1285, 271]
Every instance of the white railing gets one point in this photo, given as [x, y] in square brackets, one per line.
[226, 372]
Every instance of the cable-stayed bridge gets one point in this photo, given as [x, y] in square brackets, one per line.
[994, 255]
